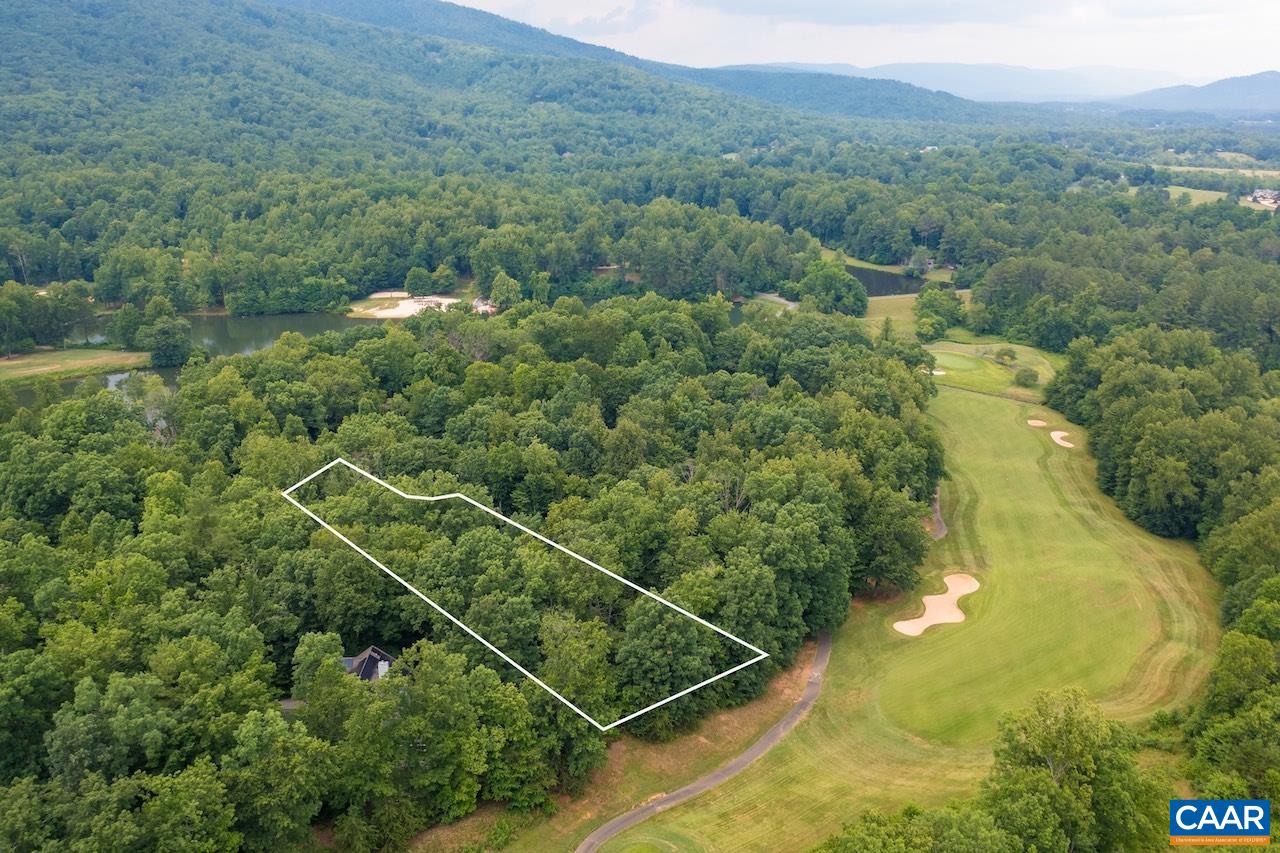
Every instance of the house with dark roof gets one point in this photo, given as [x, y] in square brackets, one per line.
[370, 665]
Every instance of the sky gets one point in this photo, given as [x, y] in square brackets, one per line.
[1197, 40]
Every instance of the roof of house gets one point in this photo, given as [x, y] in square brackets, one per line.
[365, 664]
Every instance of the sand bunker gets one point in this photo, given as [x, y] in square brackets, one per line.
[940, 609]
[1060, 438]
[1036, 422]
[937, 372]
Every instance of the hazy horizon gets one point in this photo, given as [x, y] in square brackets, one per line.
[1179, 37]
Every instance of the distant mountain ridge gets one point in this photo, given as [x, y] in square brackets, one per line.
[833, 94]
[997, 82]
[1254, 93]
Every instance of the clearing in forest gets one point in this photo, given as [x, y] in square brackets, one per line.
[68, 363]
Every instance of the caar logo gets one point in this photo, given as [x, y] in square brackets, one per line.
[1219, 822]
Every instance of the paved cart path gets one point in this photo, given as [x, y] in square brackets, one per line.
[767, 741]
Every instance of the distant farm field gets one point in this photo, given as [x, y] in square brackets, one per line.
[1072, 594]
[1224, 170]
[1197, 196]
[68, 364]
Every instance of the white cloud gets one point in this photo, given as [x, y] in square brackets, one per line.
[1194, 38]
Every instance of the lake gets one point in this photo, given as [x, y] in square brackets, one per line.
[217, 334]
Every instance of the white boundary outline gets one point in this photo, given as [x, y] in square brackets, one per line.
[287, 493]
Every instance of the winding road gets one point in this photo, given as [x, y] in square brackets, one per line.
[767, 741]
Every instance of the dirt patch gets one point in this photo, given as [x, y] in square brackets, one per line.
[1060, 438]
[940, 609]
[1036, 422]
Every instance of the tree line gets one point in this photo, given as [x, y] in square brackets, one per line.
[1187, 437]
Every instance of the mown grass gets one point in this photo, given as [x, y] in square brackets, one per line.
[901, 310]
[68, 364]
[1072, 594]
[636, 771]
[1226, 170]
[973, 367]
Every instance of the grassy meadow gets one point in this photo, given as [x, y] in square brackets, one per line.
[1072, 594]
[68, 364]
[1197, 196]
[898, 309]
[1226, 170]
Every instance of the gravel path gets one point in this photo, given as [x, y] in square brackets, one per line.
[767, 741]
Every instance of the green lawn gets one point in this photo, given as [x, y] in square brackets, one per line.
[899, 309]
[1072, 594]
[1197, 196]
[973, 367]
[68, 364]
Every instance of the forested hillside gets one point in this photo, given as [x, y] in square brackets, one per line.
[266, 160]
[160, 599]
[832, 94]
[240, 82]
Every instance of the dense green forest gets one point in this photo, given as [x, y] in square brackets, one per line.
[301, 179]
[160, 598]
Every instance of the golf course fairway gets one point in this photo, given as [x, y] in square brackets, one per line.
[1071, 594]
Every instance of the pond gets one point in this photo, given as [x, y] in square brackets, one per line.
[881, 283]
[218, 334]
